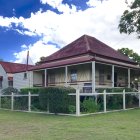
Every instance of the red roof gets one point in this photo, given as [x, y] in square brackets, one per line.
[10, 67]
[74, 60]
[85, 45]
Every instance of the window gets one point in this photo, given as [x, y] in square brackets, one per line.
[25, 75]
[0, 83]
[73, 75]
[1, 79]
[52, 78]
[10, 83]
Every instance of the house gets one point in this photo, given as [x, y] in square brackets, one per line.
[87, 63]
[14, 75]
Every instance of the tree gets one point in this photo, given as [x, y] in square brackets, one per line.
[130, 20]
[131, 54]
[41, 59]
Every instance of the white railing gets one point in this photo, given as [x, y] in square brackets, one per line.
[29, 95]
[78, 94]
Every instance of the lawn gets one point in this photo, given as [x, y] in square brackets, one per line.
[112, 126]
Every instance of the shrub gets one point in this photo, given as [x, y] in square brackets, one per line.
[6, 102]
[89, 105]
[9, 90]
[56, 99]
[34, 90]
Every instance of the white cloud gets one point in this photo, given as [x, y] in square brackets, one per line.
[53, 3]
[100, 21]
[36, 51]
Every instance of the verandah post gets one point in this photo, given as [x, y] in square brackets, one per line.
[12, 101]
[124, 104]
[93, 77]
[104, 100]
[29, 101]
[77, 102]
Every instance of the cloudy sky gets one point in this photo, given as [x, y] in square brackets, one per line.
[45, 26]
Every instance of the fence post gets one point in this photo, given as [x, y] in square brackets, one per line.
[29, 101]
[124, 104]
[139, 98]
[0, 100]
[104, 100]
[12, 101]
[77, 102]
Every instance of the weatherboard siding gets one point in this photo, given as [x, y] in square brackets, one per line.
[5, 78]
[20, 82]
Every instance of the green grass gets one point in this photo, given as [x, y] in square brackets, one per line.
[112, 126]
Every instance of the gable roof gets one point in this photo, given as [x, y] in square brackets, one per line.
[10, 67]
[87, 45]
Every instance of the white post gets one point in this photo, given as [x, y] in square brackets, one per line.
[66, 76]
[45, 80]
[112, 76]
[77, 102]
[12, 101]
[29, 101]
[129, 78]
[104, 100]
[124, 104]
[93, 77]
[139, 98]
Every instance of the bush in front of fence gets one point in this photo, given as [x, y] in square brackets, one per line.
[57, 100]
[89, 105]
[35, 105]
[111, 90]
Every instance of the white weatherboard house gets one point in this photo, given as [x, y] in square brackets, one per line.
[86, 62]
[14, 75]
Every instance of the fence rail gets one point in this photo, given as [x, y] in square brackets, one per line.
[29, 95]
[105, 94]
[77, 98]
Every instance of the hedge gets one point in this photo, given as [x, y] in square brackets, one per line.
[53, 99]
[56, 99]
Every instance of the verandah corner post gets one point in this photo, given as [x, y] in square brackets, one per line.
[77, 102]
[104, 95]
[93, 77]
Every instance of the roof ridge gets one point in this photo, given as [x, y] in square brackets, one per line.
[87, 43]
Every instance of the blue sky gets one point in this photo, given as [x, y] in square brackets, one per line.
[45, 26]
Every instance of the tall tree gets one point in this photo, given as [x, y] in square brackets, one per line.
[130, 20]
[131, 54]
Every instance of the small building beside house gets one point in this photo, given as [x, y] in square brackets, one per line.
[86, 63]
[14, 75]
